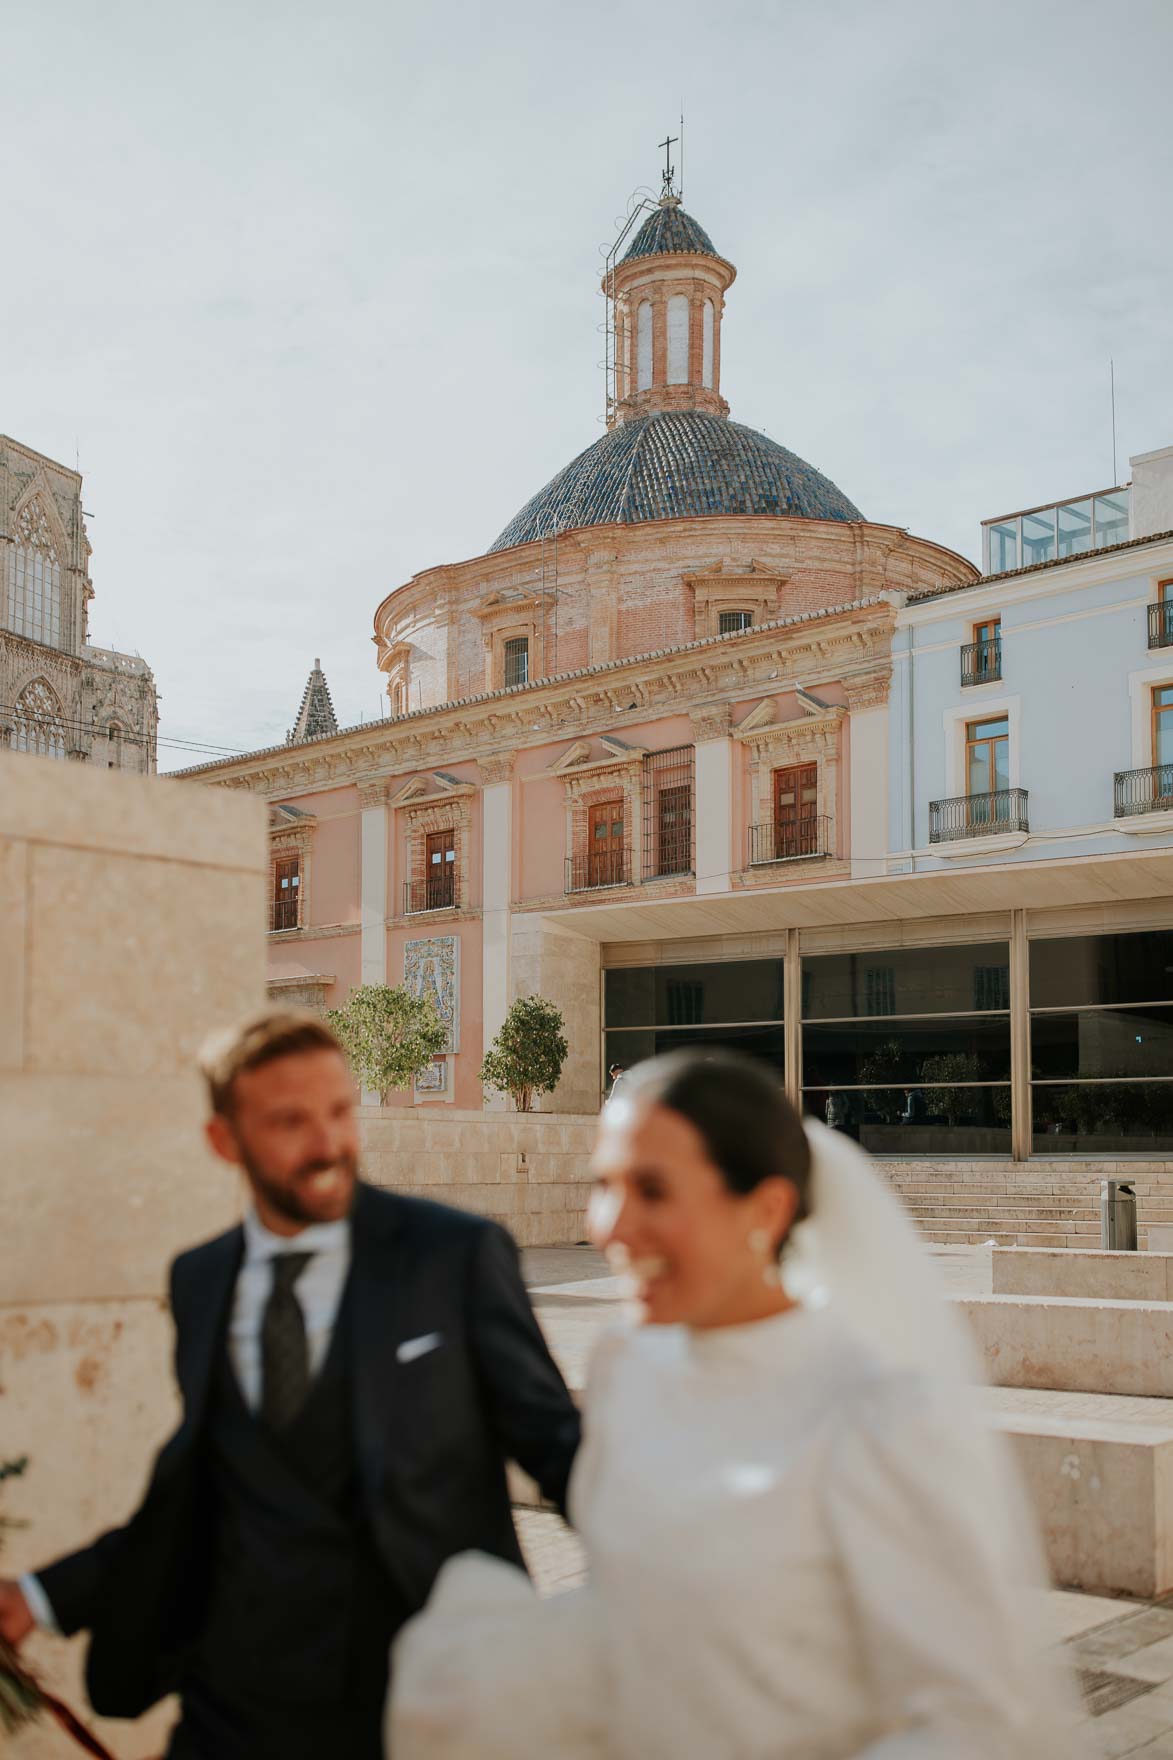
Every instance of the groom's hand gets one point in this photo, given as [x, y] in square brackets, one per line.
[16, 1620]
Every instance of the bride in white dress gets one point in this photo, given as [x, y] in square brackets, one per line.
[802, 1542]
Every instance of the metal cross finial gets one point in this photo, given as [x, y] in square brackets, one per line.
[669, 168]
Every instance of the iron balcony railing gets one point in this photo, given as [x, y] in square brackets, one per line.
[604, 867]
[283, 913]
[435, 893]
[981, 661]
[1161, 624]
[978, 815]
[1144, 791]
[793, 842]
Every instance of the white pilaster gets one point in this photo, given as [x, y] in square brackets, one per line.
[373, 883]
[714, 814]
[496, 897]
[869, 791]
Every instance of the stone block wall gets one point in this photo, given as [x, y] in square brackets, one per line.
[528, 1171]
[131, 923]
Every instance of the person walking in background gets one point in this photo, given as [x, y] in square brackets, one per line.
[616, 1075]
[355, 1369]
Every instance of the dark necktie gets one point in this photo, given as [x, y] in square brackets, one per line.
[285, 1356]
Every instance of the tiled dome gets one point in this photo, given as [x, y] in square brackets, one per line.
[676, 465]
[669, 230]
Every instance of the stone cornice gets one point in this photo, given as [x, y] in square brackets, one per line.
[838, 643]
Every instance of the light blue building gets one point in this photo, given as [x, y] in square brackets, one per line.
[1028, 1007]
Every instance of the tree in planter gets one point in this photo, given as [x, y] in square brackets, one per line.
[527, 1055]
[389, 1035]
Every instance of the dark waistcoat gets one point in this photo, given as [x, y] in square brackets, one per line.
[300, 1612]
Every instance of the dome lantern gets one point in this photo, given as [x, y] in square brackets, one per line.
[667, 296]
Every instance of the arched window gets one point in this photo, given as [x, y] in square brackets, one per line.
[643, 346]
[34, 591]
[114, 738]
[38, 722]
[678, 340]
[707, 346]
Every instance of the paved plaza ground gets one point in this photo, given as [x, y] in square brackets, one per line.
[1122, 1649]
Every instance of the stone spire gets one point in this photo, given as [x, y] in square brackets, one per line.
[667, 296]
[316, 718]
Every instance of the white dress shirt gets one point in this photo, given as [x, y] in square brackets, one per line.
[319, 1291]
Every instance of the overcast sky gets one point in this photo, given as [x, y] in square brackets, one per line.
[313, 294]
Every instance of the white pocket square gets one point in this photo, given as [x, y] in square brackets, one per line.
[411, 1348]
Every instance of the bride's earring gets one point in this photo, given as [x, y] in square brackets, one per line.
[759, 1243]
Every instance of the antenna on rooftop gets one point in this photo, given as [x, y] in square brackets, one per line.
[1112, 372]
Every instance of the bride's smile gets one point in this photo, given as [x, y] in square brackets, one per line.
[697, 1250]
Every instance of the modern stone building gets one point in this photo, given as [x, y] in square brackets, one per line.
[60, 696]
[702, 753]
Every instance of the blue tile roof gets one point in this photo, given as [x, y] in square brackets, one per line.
[670, 231]
[679, 464]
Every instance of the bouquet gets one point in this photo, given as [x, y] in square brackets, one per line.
[22, 1699]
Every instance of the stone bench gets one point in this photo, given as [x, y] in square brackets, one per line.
[1073, 1346]
[1099, 1470]
[1068, 1271]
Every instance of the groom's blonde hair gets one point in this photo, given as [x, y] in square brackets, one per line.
[261, 1039]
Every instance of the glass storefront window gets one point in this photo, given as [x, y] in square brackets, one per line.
[694, 995]
[1002, 552]
[632, 1047]
[1103, 1118]
[1111, 518]
[926, 1053]
[1077, 970]
[1100, 1042]
[1075, 527]
[907, 980]
[1038, 536]
[896, 1121]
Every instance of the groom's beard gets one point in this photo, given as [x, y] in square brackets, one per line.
[296, 1199]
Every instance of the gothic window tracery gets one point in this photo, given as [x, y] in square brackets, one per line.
[38, 724]
[34, 593]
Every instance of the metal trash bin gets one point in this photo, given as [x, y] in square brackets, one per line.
[1117, 1216]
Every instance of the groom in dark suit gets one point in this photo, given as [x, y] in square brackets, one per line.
[356, 1368]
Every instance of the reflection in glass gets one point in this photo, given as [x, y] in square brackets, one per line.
[931, 1053]
[630, 1048]
[912, 1121]
[1103, 1042]
[1103, 1118]
[689, 995]
[1081, 969]
[1111, 518]
[1163, 724]
[1038, 536]
[906, 980]
[1003, 547]
[1075, 527]
[987, 757]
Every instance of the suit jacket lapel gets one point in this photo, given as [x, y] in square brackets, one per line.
[378, 1294]
[202, 1329]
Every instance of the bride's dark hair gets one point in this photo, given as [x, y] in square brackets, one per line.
[740, 1109]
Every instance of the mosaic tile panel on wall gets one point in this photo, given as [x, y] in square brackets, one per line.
[431, 967]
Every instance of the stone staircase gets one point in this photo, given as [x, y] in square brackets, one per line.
[1027, 1204]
